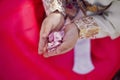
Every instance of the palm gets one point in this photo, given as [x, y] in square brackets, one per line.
[69, 41]
[53, 22]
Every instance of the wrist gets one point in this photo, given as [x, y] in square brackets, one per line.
[57, 16]
[76, 27]
[57, 12]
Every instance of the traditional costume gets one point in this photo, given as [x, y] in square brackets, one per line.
[20, 22]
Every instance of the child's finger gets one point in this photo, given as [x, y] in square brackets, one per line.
[43, 37]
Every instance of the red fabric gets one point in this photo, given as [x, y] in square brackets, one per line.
[20, 22]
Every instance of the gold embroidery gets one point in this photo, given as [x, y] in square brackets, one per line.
[53, 5]
[88, 27]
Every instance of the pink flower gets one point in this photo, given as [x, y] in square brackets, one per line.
[54, 40]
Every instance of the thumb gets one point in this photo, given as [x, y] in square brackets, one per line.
[43, 39]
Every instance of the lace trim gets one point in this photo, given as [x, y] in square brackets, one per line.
[88, 27]
[53, 5]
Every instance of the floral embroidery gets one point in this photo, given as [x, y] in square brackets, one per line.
[88, 27]
[53, 5]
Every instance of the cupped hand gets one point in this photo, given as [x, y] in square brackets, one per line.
[69, 40]
[53, 22]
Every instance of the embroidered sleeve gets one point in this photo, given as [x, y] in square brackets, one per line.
[93, 27]
[100, 26]
[88, 27]
[53, 5]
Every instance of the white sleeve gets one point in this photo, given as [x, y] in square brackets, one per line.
[103, 2]
[110, 23]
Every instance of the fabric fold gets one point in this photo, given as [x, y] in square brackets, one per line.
[82, 57]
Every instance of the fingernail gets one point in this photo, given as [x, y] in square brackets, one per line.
[45, 55]
[40, 51]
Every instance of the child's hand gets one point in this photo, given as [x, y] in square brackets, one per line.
[69, 41]
[53, 22]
